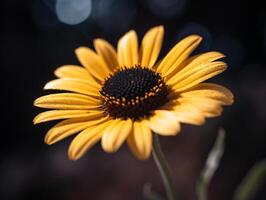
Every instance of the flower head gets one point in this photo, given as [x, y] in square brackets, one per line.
[127, 95]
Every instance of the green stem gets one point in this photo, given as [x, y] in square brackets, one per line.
[162, 165]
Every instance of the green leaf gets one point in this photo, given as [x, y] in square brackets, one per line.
[251, 182]
[211, 166]
[149, 194]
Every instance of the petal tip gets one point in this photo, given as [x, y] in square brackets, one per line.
[196, 37]
[81, 50]
[57, 71]
[218, 54]
[131, 34]
[222, 55]
[143, 157]
[36, 102]
[40, 100]
[47, 86]
[48, 142]
[97, 41]
[159, 27]
[47, 139]
[72, 156]
[36, 120]
[78, 50]
[231, 101]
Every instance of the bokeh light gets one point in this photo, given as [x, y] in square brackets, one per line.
[73, 12]
[43, 15]
[114, 16]
[167, 8]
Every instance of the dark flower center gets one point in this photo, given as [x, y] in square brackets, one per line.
[133, 92]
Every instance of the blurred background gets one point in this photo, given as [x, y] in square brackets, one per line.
[39, 35]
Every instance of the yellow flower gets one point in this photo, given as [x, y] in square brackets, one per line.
[125, 95]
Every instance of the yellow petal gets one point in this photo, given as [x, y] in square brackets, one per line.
[178, 54]
[197, 75]
[74, 85]
[64, 114]
[188, 114]
[92, 62]
[73, 71]
[208, 107]
[128, 50]
[210, 91]
[107, 52]
[140, 140]
[151, 46]
[69, 127]
[114, 136]
[85, 140]
[70, 101]
[194, 63]
[164, 123]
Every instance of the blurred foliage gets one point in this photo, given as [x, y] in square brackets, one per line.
[149, 194]
[252, 182]
[211, 166]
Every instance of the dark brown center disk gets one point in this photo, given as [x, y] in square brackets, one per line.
[133, 93]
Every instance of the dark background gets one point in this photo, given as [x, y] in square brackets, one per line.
[34, 42]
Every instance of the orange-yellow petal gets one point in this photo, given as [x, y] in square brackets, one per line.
[69, 127]
[114, 136]
[74, 85]
[127, 50]
[195, 63]
[107, 53]
[164, 122]
[64, 114]
[151, 46]
[207, 107]
[197, 75]
[92, 62]
[178, 54]
[210, 91]
[85, 140]
[140, 140]
[188, 114]
[69, 101]
[73, 71]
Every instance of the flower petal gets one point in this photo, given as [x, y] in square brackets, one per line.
[197, 75]
[164, 122]
[85, 140]
[194, 63]
[64, 114]
[140, 140]
[73, 71]
[114, 136]
[92, 62]
[151, 46]
[70, 101]
[188, 114]
[210, 91]
[128, 50]
[107, 53]
[74, 85]
[208, 107]
[178, 54]
[69, 127]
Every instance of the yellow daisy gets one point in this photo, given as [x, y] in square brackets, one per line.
[127, 95]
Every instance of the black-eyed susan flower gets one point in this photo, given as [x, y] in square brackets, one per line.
[127, 95]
